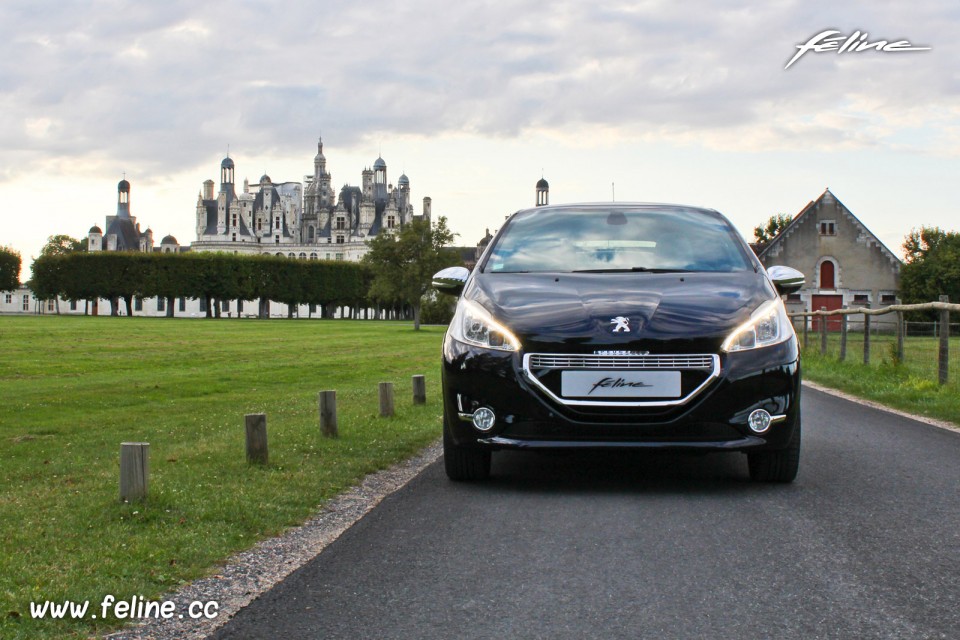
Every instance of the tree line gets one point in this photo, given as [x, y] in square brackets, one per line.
[213, 277]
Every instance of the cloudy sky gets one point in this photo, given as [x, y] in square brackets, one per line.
[642, 100]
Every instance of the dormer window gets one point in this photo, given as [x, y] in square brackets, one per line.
[828, 228]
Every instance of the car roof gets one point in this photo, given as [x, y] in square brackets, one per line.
[621, 206]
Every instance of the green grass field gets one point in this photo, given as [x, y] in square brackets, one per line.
[910, 384]
[74, 388]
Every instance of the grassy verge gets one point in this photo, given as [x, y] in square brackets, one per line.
[910, 385]
[74, 388]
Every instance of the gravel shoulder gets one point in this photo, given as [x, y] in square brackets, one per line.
[253, 572]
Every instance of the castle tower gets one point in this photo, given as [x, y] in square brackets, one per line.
[380, 180]
[226, 195]
[123, 199]
[366, 179]
[403, 195]
[226, 174]
[543, 192]
[321, 178]
[427, 208]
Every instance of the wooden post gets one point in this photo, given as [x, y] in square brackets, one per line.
[843, 337]
[386, 399]
[256, 424]
[901, 334]
[823, 332]
[806, 320]
[419, 390]
[944, 343]
[866, 338]
[328, 414]
[134, 470]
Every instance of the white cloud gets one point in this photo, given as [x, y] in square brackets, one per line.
[160, 88]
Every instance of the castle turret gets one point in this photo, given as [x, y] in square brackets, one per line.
[95, 239]
[146, 240]
[380, 180]
[543, 193]
[123, 199]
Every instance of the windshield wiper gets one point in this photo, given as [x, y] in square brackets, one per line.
[632, 269]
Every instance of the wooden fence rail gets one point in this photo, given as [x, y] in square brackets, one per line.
[944, 306]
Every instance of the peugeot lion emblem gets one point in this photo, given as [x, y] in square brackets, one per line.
[622, 324]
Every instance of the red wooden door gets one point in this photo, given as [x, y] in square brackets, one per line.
[831, 303]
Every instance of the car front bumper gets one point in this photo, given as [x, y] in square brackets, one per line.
[715, 418]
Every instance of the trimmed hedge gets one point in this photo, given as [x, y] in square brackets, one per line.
[115, 275]
[9, 269]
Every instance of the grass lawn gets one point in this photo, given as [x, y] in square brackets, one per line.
[910, 385]
[74, 388]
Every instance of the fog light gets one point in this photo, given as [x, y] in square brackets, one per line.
[484, 419]
[759, 421]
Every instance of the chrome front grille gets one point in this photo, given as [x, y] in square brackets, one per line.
[586, 361]
[704, 367]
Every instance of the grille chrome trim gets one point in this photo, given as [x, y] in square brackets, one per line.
[586, 361]
[682, 362]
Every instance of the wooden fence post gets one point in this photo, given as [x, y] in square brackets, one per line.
[944, 342]
[419, 389]
[823, 332]
[901, 331]
[805, 323]
[866, 338]
[843, 337]
[328, 413]
[386, 399]
[134, 470]
[256, 424]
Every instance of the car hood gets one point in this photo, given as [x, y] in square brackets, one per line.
[579, 312]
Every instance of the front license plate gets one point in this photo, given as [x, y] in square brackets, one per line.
[620, 384]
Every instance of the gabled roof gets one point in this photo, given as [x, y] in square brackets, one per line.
[827, 197]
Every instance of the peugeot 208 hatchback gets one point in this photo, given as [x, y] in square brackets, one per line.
[620, 326]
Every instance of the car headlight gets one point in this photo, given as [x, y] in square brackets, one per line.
[474, 325]
[768, 325]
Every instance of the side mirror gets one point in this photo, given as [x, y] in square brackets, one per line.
[451, 280]
[785, 279]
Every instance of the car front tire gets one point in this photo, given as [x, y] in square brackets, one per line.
[777, 466]
[464, 464]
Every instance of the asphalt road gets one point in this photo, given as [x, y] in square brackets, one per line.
[865, 544]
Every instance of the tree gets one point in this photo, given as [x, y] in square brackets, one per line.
[769, 230]
[62, 244]
[9, 269]
[58, 245]
[403, 263]
[931, 267]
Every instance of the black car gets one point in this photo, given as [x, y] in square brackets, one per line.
[620, 326]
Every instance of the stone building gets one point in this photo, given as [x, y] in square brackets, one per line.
[123, 231]
[844, 263]
[302, 220]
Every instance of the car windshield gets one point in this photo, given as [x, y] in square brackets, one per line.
[617, 239]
